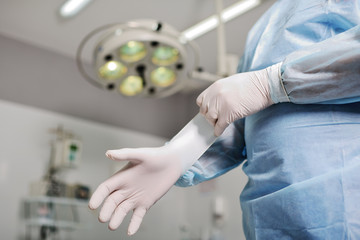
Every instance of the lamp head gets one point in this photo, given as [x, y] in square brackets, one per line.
[143, 58]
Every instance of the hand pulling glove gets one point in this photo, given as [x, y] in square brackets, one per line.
[241, 95]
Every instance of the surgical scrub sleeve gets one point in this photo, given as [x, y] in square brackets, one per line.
[302, 158]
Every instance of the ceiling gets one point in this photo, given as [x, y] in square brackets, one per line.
[37, 60]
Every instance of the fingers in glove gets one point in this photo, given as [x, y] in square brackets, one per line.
[199, 99]
[102, 191]
[110, 205]
[134, 155]
[106, 188]
[120, 212]
[203, 109]
[220, 127]
[211, 117]
[203, 106]
[136, 220]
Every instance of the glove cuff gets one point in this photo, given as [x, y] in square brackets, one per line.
[277, 90]
[192, 141]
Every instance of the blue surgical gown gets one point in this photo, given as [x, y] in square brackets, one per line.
[302, 158]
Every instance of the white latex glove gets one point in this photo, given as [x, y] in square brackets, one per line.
[239, 96]
[150, 173]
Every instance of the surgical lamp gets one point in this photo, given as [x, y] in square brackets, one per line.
[143, 58]
[148, 58]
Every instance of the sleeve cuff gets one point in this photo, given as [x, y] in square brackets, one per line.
[277, 90]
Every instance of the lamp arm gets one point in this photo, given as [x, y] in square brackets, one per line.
[221, 41]
[217, 21]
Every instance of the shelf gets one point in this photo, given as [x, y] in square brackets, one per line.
[56, 200]
[39, 222]
[64, 213]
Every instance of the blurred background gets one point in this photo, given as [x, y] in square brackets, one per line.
[56, 124]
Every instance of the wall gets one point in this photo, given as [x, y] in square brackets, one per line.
[24, 153]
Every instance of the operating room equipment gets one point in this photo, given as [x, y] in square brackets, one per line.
[66, 149]
[48, 218]
[53, 206]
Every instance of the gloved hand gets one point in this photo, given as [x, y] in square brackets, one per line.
[150, 173]
[239, 96]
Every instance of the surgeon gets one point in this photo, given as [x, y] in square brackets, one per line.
[291, 114]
